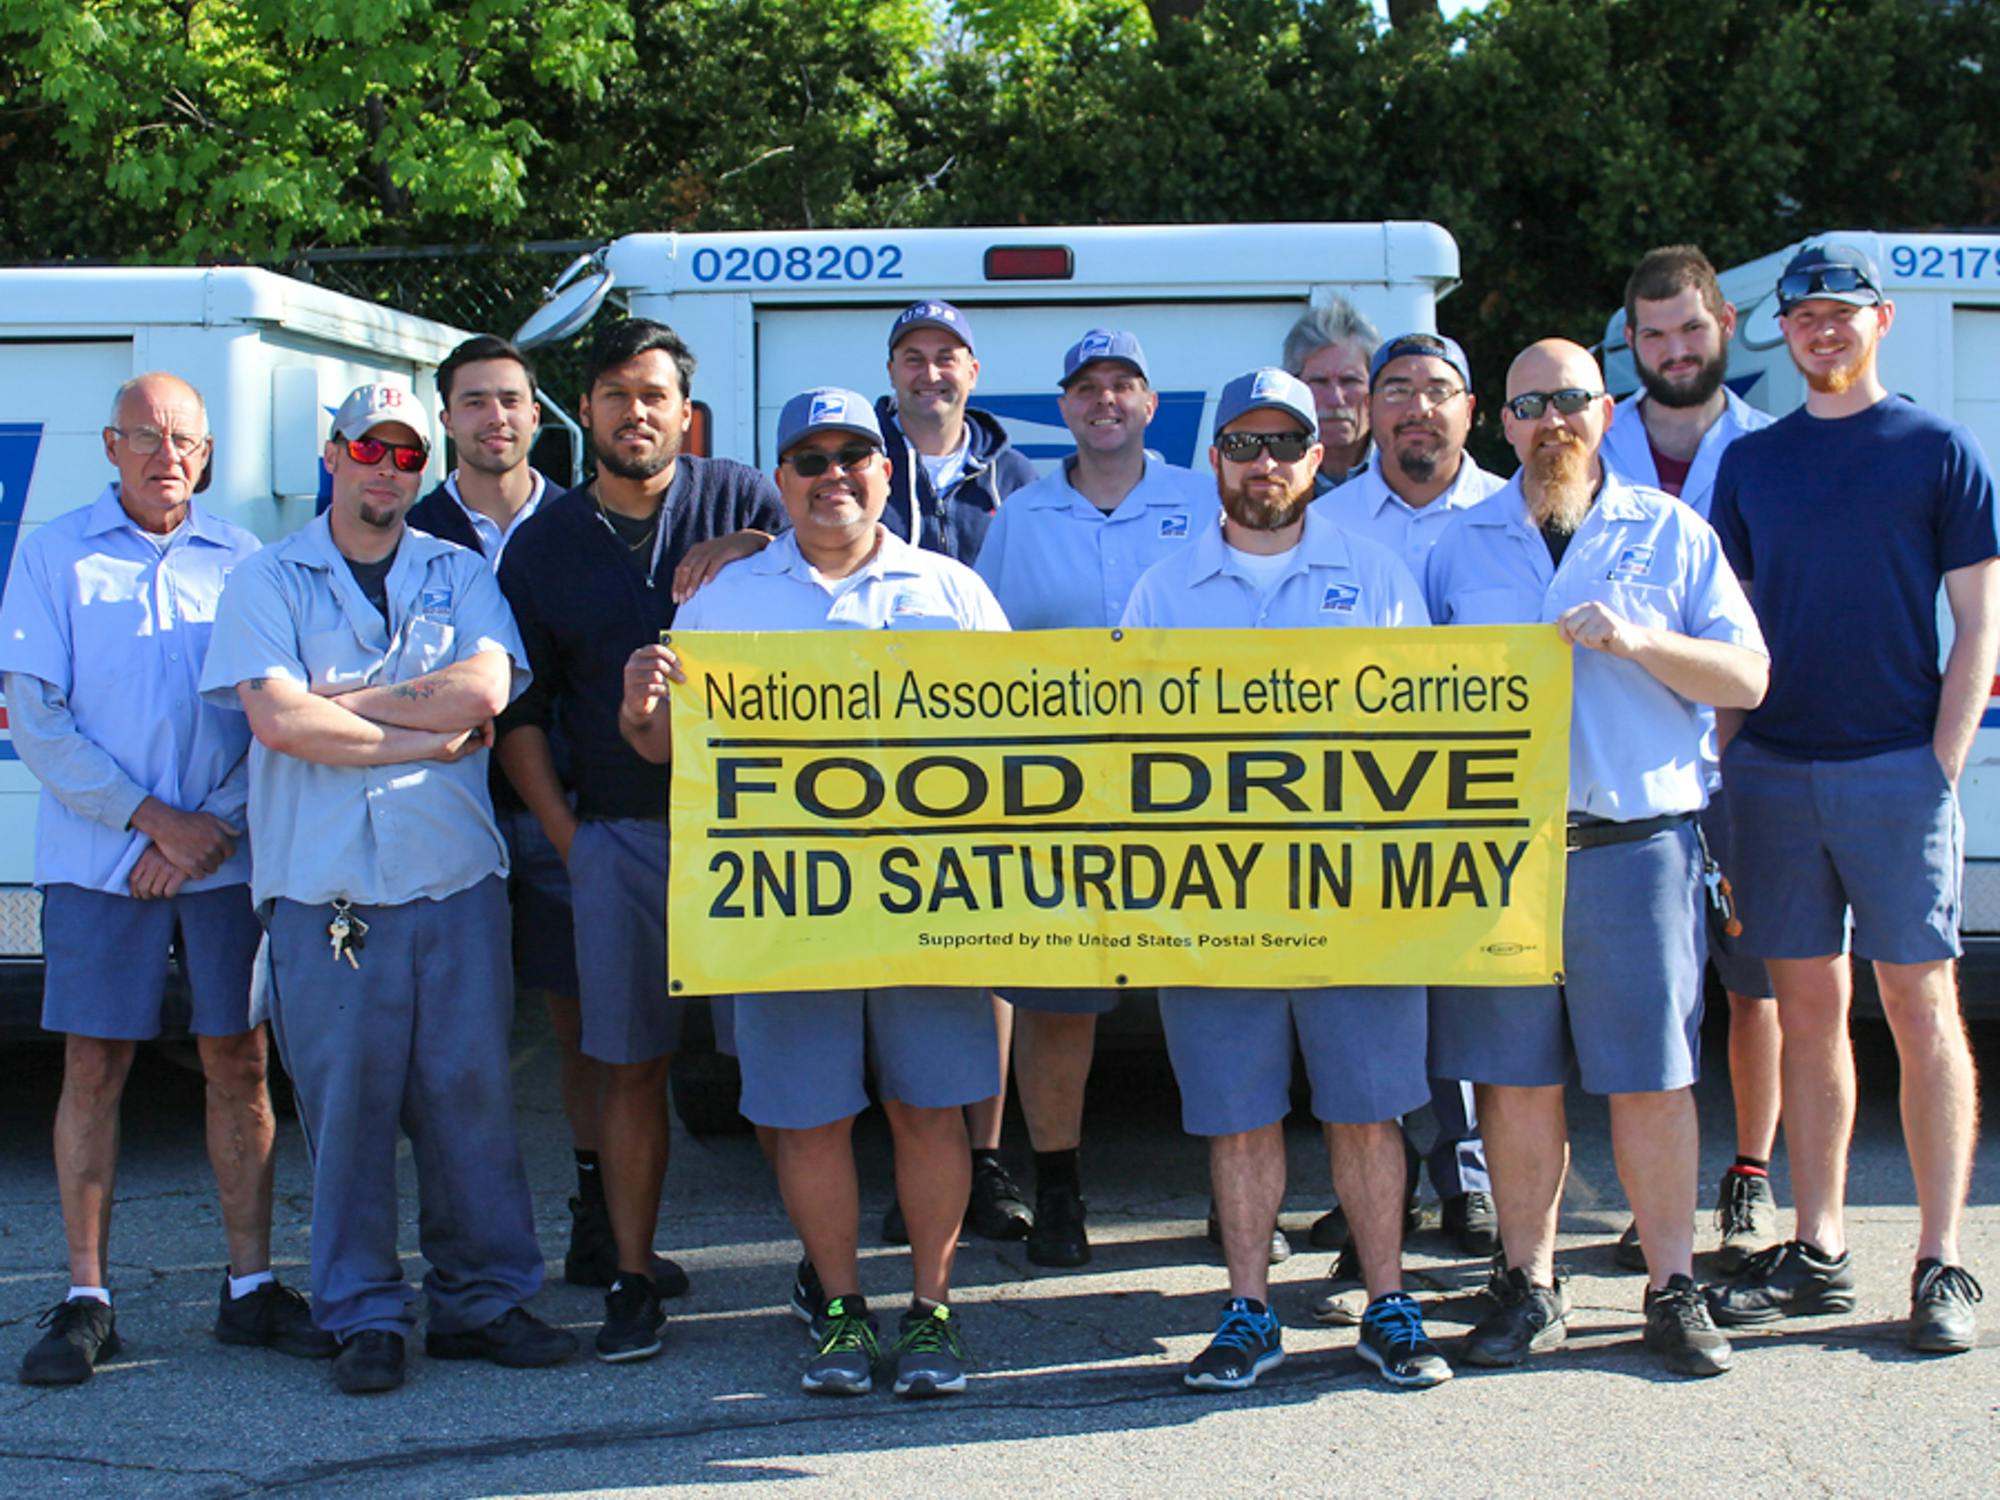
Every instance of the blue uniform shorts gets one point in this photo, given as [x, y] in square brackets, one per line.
[1232, 1054]
[1741, 971]
[1628, 1012]
[802, 1053]
[618, 875]
[544, 937]
[105, 960]
[1815, 839]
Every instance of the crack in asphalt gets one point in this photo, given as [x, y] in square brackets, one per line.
[31, 1456]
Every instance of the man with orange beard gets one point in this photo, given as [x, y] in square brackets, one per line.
[1844, 519]
[1635, 581]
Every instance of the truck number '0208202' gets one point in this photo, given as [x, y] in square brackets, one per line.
[741, 263]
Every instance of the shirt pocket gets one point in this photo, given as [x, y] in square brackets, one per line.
[334, 661]
[427, 645]
[1493, 607]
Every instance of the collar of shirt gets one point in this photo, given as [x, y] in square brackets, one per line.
[1470, 485]
[489, 530]
[1507, 509]
[108, 515]
[312, 546]
[1628, 449]
[894, 558]
[1321, 545]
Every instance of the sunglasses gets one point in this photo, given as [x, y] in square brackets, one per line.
[1800, 285]
[1529, 405]
[1243, 447]
[816, 461]
[408, 458]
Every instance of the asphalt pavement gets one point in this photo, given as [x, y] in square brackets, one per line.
[1078, 1388]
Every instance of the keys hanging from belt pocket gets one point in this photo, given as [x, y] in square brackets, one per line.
[347, 932]
[1721, 895]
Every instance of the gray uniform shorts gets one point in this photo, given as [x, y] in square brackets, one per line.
[618, 881]
[105, 960]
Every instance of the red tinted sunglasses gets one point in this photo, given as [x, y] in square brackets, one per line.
[370, 451]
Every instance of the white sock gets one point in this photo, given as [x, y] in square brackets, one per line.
[100, 1293]
[243, 1286]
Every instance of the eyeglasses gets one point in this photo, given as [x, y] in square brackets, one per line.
[1402, 393]
[816, 461]
[1800, 285]
[146, 441]
[1243, 447]
[408, 458]
[1529, 405]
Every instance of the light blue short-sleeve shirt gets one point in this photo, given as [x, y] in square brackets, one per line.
[1054, 560]
[1365, 506]
[121, 626]
[1628, 453]
[900, 588]
[378, 835]
[1330, 578]
[1635, 744]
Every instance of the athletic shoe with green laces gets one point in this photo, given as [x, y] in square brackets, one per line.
[1247, 1343]
[929, 1355]
[844, 1364]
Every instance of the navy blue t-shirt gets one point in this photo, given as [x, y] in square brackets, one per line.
[1842, 530]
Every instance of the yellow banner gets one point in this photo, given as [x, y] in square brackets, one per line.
[1118, 808]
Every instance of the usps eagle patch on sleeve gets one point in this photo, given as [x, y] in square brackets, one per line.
[1174, 528]
[1340, 598]
[1633, 564]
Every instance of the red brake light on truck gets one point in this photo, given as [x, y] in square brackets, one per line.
[1030, 263]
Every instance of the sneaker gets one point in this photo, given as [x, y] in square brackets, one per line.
[996, 1210]
[1281, 1248]
[632, 1320]
[593, 1253]
[894, 1230]
[81, 1336]
[1791, 1280]
[1469, 1222]
[273, 1317]
[1941, 1317]
[1058, 1238]
[1246, 1345]
[844, 1364]
[1630, 1254]
[517, 1340]
[929, 1355]
[1393, 1341]
[1329, 1230]
[1528, 1320]
[1680, 1330]
[1746, 1211]
[809, 1298]
[1342, 1298]
[373, 1360]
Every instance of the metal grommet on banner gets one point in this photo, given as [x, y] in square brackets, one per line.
[1117, 635]
[674, 986]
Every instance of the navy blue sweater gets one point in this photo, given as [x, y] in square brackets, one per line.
[583, 608]
[955, 522]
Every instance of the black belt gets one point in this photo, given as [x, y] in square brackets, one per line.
[1594, 833]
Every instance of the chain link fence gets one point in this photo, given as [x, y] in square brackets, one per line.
[480, 288]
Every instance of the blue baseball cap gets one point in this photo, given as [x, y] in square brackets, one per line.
[1834, 272]
[1268, 389]
[1104, 343]
[827, 408]
[1435, 345]
[932, 315]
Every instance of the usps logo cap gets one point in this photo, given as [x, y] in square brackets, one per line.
[827, 408]
[1104, 343]
[369, 406]
[1266, 389]
[932, 315]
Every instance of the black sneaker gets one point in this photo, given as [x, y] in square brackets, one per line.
[996, 1210]
[593, 1253]
[1630, 1255]
[632, 1320]
[1342, 1298]
[844, 1364]
[1680, 1330]
[516, 1339]
[1392, 1340]
[1246, 1344]
[1941, 1316]
[1791, 1280]
[372, 1361]
[929, 1356]
[1281, 1248]
[1469, 1222]
[1746, 1212]
[1528, 1320]
[1058, 1238]
[273, 1317]
[81, 1335]
[808, 1303]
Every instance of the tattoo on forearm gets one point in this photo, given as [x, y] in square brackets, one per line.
[418, 690]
